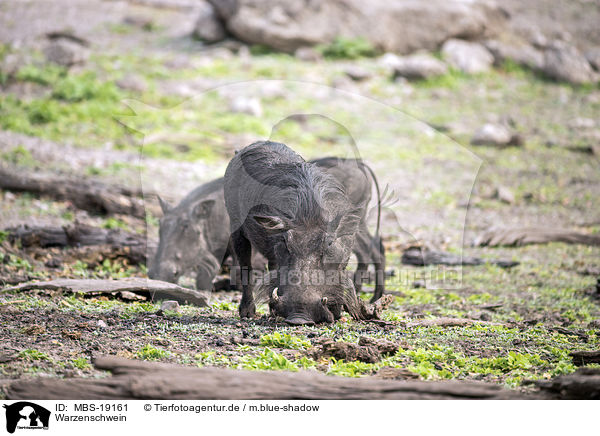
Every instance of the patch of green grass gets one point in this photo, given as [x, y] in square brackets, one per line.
[46, 74]
[31, 355]
[350, 369]
[113, 269]
[114, 223]
[18, 155]
[347, 48]
[268, 360]
[3, 237]
[225, 305]
[150, 352]
[85, 86]
[210, 358]
[452, 80]
[284, 340]
[81, 363]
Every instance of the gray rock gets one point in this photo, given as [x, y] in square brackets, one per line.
[522, 54]
[308, 54]
[504, 194]
[101, 324]
[170, 305]
[209, 27]
[357, 74]
[593, 57]
[469, 57]
[581, 123]
[246, 105]
[492, 134]
[65, 52]
[395, 26]
[419, 66]
[564, 62]
[132, 83]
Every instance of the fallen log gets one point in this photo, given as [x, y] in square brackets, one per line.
[534, 235]
[154, 289]
[583, 357]
[422, 256]
[129, 245]
[584, 384]
[85, 194]
[134, 379]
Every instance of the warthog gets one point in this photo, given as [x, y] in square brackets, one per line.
[194, 236]
[300, 218]
[355, 177]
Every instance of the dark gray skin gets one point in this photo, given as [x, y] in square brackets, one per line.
[356, 177]
[302, 221]
[194, 236]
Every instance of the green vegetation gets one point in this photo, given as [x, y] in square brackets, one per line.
[81, 363]
[284, 340]
[150, 352]
[31, 355]
[347, 48]
[268, 360]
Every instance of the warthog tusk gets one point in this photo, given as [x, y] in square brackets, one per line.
[274, 295]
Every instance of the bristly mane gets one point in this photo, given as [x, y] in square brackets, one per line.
[303, 188]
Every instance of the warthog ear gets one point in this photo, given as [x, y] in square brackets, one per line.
[164, 205]
[202, 210]
[348, 224]
[270, 223]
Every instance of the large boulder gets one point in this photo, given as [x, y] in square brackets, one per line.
[469, 57]
[593, 57]
[563, 61]
[523, 54]
[66, 52]
[209, 27]
[400, 26]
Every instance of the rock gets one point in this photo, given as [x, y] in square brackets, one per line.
[418, 66]
[170, 305]
[246, 105]
[504, 194]
[402, 26]
[357, 74]
[224, 8]
[101, 324]
[209, 27]
[344, 83]
[65, 52]
[132, 83]
[469, 57]
[494, 134]
[593, 57]
[581, 123]
[12, 63]
[140, 21]
[524, 54]
[308, 54]
[564, 62]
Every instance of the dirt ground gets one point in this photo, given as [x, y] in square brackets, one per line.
[524, 321]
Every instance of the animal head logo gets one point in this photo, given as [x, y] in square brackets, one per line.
[26, 415]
